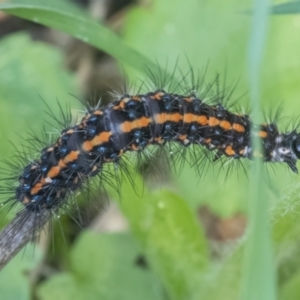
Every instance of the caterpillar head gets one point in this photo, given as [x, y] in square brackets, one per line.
[288, 149]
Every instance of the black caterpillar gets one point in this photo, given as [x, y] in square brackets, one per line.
[133, 122]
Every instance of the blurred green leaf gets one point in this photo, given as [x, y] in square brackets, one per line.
[14, 280]
[286, 227]
[225, 278]
[203, 42]
[67, 18]
[103, 266]
[291, 289]
[170, 236]
[26, 78]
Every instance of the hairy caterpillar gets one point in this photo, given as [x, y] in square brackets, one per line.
[132, 123]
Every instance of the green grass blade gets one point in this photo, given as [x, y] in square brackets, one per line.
[171, 238]
[259, 280]
[68, 18]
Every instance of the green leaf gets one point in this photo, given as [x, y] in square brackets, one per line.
[103, 267]
[291, 289]
[170, 235]
[14, 280]
[285, 227]
[26, 78]
[67, 18]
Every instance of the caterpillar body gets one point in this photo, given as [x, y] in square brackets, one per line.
[134, 122]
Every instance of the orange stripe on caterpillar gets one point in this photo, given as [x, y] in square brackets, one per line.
[262, 134]
[202, 120]
[128, 126]
[53, 172]
[229, 151]
[99, 139]
[212, 121]
[225, 125]
[238, 127]
[164, 117]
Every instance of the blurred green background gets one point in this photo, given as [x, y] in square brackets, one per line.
[180, 235]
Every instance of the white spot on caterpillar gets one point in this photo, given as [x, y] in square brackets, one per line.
[283, 150]
[246, 150]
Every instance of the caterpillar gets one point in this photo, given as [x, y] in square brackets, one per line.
[132, 123]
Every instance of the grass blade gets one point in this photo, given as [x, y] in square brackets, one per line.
[259, 280]
[68, 18]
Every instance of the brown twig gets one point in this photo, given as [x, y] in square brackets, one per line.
[22, 229]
